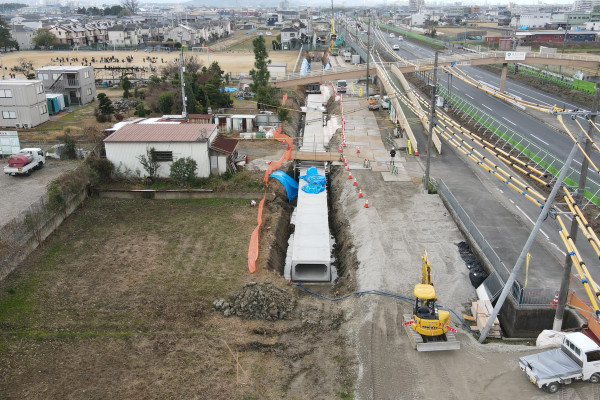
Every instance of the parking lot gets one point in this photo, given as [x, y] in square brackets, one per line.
[18, 192]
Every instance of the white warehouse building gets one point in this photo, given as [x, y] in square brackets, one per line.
[171, 141]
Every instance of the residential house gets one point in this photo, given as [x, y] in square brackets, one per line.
[124, 36]
[24, 36]
[22, 103]
[77, 82]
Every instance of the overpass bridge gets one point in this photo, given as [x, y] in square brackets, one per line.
[426, 64]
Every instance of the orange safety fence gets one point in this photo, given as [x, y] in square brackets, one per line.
[253, 247]
[587, 311]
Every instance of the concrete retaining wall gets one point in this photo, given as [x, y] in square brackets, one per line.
[178, 194]
[32, 241]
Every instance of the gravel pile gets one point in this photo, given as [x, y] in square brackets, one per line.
[257, 301]
[122, 105]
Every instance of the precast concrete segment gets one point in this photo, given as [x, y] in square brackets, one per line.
[311, 254]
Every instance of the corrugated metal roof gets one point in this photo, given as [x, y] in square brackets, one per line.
[224, 144]
[163, 133]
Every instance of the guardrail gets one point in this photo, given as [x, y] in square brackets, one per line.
[540, 156]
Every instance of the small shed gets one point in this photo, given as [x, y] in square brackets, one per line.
[170, 142]
[223, 152]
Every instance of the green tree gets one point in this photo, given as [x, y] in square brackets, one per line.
[126, 87]
[260, 75]
[6, 40]
[105, 106]
[165, 103]
[150, 162]
[140, 111]
[69, 151]
[184, 170]
[44, 39]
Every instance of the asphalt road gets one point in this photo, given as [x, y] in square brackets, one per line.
[539, 133]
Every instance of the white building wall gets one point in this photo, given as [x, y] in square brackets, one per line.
[125, 154]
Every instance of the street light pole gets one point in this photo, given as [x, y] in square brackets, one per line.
[431, 123]
[181, 68]
[368, 50]
[564, 283]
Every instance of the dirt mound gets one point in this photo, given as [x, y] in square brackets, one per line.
[258, 301]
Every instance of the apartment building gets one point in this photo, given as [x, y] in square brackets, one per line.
[22, 103]
[78, 82]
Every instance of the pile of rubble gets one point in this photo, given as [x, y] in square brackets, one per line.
[123, 105]
[257, 301]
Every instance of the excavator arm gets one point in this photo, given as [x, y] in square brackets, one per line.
[426, 278]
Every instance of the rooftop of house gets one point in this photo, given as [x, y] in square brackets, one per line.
[138, 132]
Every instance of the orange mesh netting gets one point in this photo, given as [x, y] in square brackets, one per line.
[253, 247]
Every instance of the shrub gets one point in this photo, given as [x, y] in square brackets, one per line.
[184, 170]
[69, 152]
[101, 170]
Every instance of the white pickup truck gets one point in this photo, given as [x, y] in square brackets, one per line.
[578, 358]
[25, 161]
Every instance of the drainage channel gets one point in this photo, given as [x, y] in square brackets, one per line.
[310, 246]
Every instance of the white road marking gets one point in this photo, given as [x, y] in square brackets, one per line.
[487, 107]
[530, 220]
[559, 249]
[469, 96]
[546, 143]
[509, 121]
[575, 161]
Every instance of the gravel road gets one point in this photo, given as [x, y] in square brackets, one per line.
[18, 192]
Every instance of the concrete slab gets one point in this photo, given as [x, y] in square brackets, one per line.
[402, 176]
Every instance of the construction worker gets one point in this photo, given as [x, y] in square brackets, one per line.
[392, 155]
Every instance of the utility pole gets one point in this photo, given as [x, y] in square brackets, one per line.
[431, 123]
[368, 50]
[181, 68]
[538, 224]
[563, 49]
[578, 197]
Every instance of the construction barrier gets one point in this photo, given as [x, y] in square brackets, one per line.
[287, 155]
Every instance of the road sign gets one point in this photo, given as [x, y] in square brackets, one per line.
[515, 56]
[9, 142]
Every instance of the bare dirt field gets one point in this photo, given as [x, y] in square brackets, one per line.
[117, 304]
[230, 61]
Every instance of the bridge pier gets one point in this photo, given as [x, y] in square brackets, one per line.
[503, 77]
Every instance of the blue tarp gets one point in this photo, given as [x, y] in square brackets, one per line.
[315, 182]
[290, 184]
[229, 89]
[305, 67]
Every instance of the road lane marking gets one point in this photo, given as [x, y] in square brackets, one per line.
[487, 107]
[509, 121]
[469, 96]
[530, 220]
[546, 143]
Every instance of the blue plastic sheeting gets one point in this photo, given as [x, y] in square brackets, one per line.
[305, 67]
[289, 183]
[315, 182]
[229, 89]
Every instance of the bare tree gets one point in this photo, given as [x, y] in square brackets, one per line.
[130, 5]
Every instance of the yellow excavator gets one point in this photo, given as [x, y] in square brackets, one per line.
[429, 327]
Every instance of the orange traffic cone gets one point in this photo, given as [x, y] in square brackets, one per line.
[345, 163]
[347, 167]
[555, 301]
[416, 152]
[357, 150]
[288, 146]
[340, 148]
[344, 143]
[360, 193]
[355, 183]
[349, 175]
[367, 203]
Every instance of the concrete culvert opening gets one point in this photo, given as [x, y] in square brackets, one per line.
[311, 273]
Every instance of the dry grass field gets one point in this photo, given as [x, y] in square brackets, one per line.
[230, 61]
